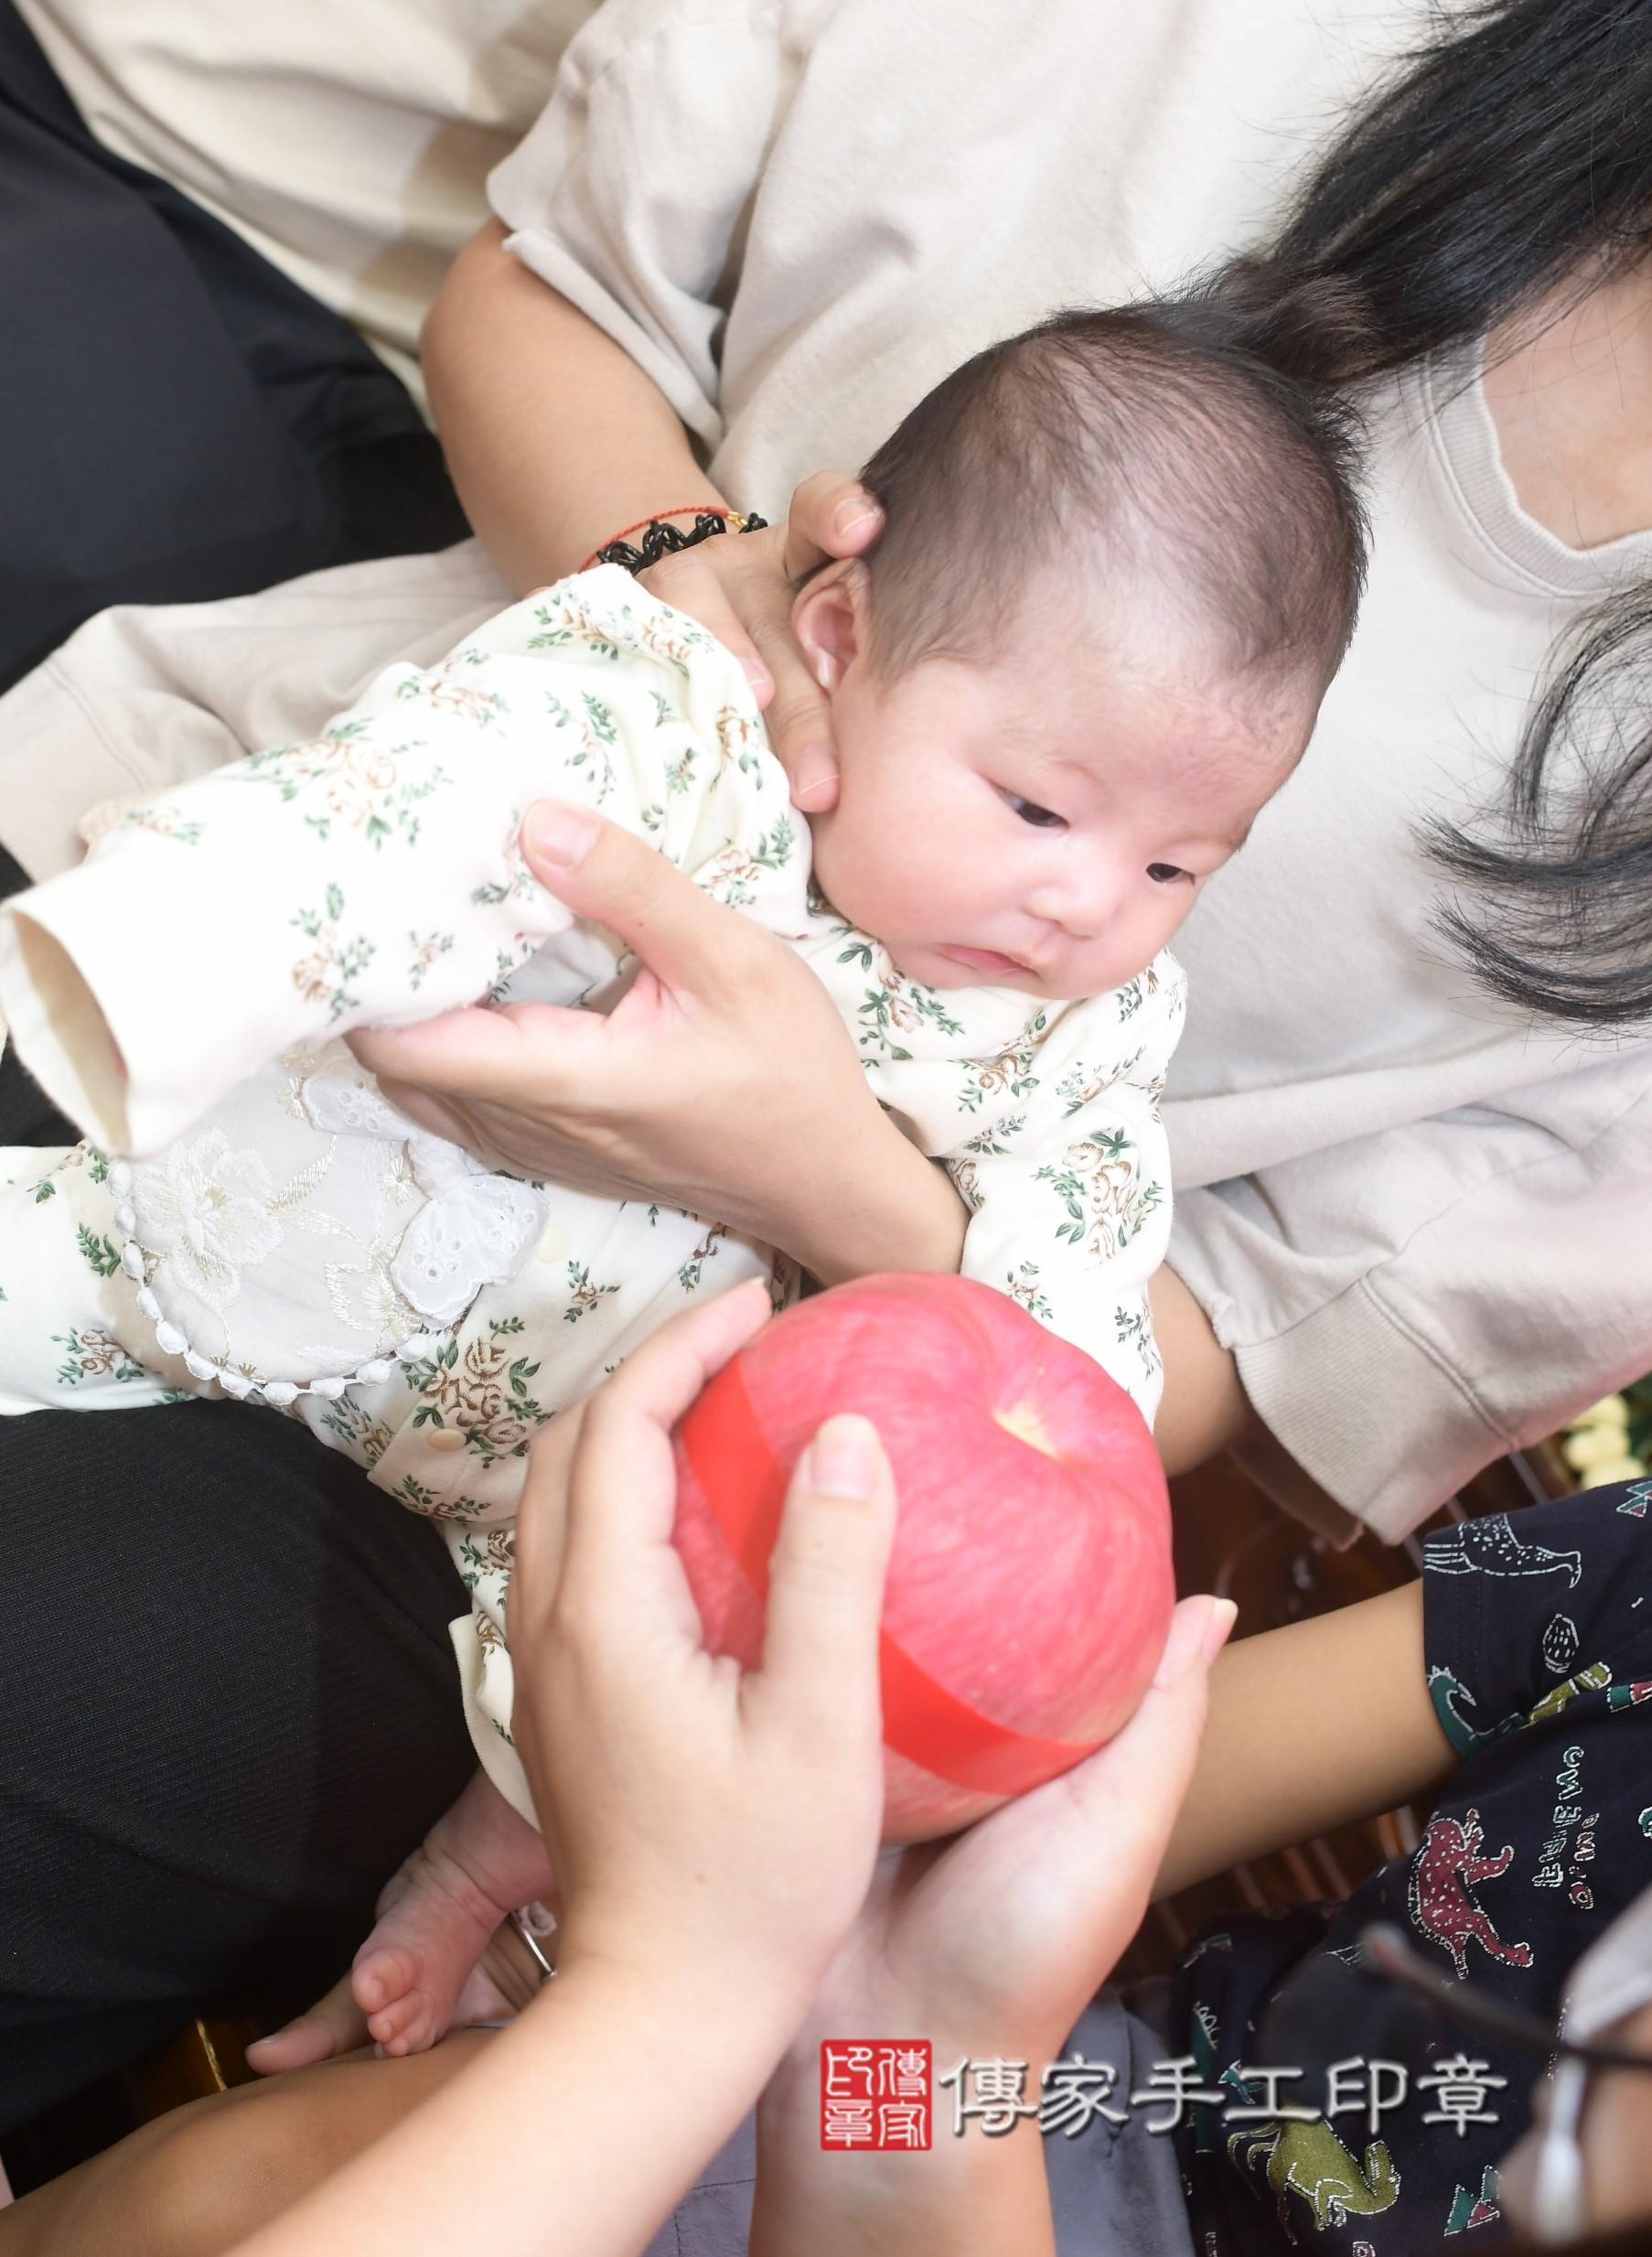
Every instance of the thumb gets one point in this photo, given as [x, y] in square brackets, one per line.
[1137, 1782]
[541, 1527]
[826, 1585]
[334, 2024]
[604, 873]
[831, 514]
[517, 1054]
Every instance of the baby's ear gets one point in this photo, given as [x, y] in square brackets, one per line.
[829, 619]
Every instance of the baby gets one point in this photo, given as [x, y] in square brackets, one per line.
[1121, 560]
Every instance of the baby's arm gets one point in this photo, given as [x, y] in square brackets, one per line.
[1068, 1177]
[371, 877]
[1310, 1727]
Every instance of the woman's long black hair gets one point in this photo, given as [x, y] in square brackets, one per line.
[1509, 154]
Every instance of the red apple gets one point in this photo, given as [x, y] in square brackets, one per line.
[1031, 1587]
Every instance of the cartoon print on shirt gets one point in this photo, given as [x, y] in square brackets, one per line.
[1570, 1848]
[1590, 1680]
[1469, 2210]
[1490, 1547]
[1446, 1689]
[1555, 1768]
[1445, 1870]
[1309, 2161]
[1560, 1644]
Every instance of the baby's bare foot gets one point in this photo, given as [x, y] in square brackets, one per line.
[501, 1983]
[418, 1971]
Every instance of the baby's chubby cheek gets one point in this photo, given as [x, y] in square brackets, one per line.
[888, 856]
[847, 867]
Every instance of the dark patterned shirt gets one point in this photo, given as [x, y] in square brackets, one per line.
[1538, 1641]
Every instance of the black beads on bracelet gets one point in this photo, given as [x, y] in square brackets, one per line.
[661, 538]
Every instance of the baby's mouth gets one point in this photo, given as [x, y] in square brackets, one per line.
[987, 960]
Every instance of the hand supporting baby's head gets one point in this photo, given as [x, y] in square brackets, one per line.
[1121, 560]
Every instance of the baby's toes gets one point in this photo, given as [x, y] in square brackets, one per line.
[408, 2025]
[381, 1976]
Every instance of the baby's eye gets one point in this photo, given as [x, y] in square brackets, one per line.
[1167, 874]
[1041, 818]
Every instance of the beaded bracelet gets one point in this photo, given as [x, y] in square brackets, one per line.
[661, 538]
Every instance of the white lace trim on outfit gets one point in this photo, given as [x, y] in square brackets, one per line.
[197, 1226]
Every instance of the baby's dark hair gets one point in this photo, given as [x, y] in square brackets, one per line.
[1193, 440]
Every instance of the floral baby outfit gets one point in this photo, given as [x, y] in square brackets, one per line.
[275, 1230]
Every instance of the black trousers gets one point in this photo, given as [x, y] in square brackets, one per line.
[228, 1705]
[177, 420]
[227, 1709]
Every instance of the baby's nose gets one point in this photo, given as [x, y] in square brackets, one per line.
[1084, 906]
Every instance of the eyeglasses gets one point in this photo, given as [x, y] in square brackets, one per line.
[1558, 2211]
[1384, 1952]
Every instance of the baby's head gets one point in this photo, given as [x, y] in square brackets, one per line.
[1121, 560]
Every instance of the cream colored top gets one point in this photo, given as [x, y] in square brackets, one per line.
[348, 140]
[1421, 1227]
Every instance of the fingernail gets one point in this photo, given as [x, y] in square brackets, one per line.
[756, 673]
[852, 517]
[815, 784]
[560, 833]
[1224, 1614]
[1196, 1635]
[842, 1459]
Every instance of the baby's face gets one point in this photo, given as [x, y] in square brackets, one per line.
[1043, 821]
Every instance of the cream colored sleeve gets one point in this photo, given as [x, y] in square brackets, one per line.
[630, 193]
[372, 876]
[1408, 1306]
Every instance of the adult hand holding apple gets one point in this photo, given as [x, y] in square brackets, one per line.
[991, 1946]
[1031, 1586]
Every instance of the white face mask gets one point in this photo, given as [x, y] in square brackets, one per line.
[1615, 1978]
[1542, 2177]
